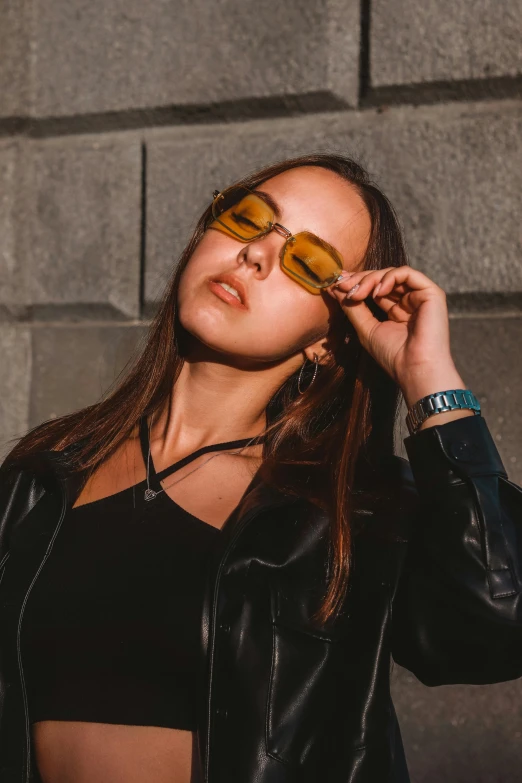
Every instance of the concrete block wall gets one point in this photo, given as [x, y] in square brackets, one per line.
[118, 120]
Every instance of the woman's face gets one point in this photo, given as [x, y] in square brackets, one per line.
[282, 317]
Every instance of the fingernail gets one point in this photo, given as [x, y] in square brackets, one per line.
[376, 289]
[352, 290]
[344, 276]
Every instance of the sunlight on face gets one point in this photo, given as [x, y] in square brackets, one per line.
[282, 316]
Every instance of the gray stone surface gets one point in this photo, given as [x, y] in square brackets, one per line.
[14, 57]
[487, 355]
[12, 281]
[15, 382]
[97, 56]
[415, 42]
[460, 733]
[453, 173]
[79, 233]
[74, 365]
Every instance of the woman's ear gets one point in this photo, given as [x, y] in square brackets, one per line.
[320, 348]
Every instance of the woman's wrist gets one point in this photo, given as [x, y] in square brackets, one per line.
[422, 382]
[428, 381]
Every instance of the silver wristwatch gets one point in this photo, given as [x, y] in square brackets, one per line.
[439, 402]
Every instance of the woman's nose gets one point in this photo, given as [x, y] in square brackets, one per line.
[264, 251]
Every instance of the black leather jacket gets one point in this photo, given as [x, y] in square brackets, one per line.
[436, 585]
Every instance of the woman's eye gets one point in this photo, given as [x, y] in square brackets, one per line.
[242, 219]
[306, 268]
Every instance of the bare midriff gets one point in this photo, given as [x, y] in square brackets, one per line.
[82, 752]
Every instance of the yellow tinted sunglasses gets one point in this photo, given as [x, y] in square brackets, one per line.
[245, 215]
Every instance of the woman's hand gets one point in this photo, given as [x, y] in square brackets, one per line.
[413, 345]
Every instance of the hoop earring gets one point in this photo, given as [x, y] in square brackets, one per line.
[316, 360]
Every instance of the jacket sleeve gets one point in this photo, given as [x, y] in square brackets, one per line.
[457, 609]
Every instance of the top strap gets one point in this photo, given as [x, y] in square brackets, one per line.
[144, 441]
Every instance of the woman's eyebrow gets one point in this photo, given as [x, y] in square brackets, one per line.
[271, 202]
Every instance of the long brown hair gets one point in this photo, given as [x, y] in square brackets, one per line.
[313, 442]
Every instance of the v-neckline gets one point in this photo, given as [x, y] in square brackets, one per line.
[155, 478]
[163, 474]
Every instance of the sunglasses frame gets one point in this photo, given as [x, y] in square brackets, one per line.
[284, 232]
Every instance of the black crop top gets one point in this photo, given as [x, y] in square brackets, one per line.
[111, 629]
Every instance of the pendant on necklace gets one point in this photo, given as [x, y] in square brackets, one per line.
[150, 494]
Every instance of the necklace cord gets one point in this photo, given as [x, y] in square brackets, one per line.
[150, 494]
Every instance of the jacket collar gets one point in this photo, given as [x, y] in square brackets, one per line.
[52, 468]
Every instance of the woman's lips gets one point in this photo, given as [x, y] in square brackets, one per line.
[218, 289]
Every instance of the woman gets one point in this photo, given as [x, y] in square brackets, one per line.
[236, 621]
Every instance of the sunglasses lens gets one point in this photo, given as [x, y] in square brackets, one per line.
[242, 213]
[311, 260]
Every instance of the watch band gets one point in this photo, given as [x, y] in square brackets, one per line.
[440, 402]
